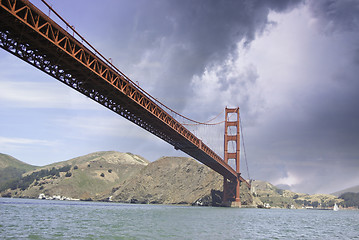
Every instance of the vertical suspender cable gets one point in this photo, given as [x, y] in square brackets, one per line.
[244, 148]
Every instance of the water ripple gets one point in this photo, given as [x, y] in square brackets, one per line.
[42, 219]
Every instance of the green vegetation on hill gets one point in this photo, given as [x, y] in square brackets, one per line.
[9, 161]
[350, 199]
[25, 181]
[11, 169]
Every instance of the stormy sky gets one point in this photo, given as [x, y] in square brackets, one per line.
[291, 66]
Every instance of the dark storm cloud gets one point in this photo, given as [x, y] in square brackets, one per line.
[185, 37]
[336, 113]
[337, 15]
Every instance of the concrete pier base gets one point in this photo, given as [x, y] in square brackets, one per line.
[236, 205]
[232, 204]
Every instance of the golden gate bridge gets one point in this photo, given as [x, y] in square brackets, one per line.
[34, 37]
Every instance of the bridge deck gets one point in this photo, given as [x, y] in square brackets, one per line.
[30, 35]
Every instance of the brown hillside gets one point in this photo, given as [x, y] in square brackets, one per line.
[171, 180]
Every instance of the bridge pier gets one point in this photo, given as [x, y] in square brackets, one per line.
[231, 191]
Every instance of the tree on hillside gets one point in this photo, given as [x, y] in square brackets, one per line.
[350, 199]
[25, 181]
[315, 204]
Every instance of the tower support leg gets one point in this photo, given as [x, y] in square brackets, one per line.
[231, 188]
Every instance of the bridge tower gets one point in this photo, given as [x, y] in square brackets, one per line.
[231, 187]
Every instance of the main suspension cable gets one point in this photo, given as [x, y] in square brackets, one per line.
[207, 122]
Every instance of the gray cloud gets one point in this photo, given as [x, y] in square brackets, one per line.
[335, 102]
[336, 15]
[176, 40]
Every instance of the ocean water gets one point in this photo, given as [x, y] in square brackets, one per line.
[50, 219]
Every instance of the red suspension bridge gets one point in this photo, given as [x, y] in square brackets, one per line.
[32, 36]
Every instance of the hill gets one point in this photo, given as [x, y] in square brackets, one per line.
[86, 177]
[11, 168]
[175, 180]
[125, 177]
[354, 189]
[351, 200]
[275, 197]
